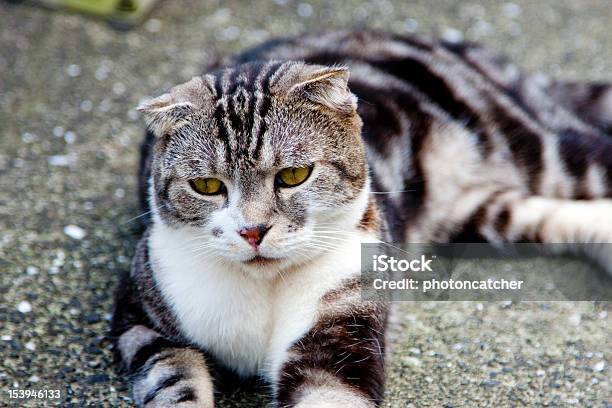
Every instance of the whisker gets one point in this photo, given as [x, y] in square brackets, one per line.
[322, 246]
[393, 192]
[330, 237]
[376, 240]
[143, 214]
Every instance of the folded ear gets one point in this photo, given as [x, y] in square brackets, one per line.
[327, 86]
[167, 111]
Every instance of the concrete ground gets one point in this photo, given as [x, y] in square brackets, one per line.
[68, 155]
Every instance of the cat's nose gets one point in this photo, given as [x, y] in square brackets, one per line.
[254, 234]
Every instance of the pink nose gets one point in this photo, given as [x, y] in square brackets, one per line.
[254, 234]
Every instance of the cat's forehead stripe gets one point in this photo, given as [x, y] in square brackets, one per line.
[243, 101]
[264, 107]
[219, 114]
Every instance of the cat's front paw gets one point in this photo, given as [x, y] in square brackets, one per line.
[173, 380]
[332, 397]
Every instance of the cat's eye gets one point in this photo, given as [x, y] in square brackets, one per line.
[292, 176]
[207, 186]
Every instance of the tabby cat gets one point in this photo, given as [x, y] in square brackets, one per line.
[263, 178]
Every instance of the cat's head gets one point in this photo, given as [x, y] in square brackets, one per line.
[262, 164]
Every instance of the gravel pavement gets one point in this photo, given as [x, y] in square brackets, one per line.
[68, 154]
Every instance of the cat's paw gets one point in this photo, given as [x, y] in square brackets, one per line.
[173, 380]
[332, 397]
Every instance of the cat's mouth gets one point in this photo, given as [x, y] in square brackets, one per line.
[260, 260]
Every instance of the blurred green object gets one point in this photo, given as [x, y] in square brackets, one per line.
[121, 14]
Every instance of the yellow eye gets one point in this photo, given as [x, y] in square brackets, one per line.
[207, 186]
[292, 176]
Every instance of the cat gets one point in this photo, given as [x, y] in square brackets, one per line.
[264, 176]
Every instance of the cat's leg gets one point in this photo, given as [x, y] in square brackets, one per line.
[584, 225]
[340, 362]
[162, 373]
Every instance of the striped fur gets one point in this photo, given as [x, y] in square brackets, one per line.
[425, 142]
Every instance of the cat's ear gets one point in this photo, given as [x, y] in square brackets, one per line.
[166, 112]
[327, 86]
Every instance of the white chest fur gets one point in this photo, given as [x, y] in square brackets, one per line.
[247, 323]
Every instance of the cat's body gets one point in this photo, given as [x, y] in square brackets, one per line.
[456, 145]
